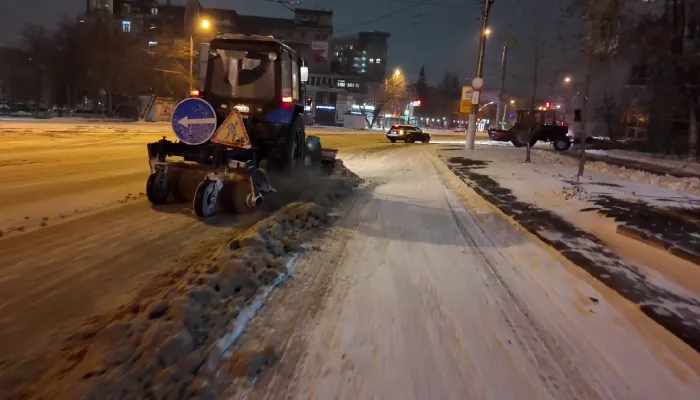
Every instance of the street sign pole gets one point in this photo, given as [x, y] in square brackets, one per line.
[471, 129]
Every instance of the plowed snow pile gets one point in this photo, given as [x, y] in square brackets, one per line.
[165, 344]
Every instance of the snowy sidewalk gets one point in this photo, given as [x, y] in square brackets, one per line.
[544, 199]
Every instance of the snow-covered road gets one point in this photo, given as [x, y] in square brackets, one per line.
[438, 296]
[77, 235]
[421, 291]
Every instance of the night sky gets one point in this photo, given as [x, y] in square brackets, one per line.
[441, 37]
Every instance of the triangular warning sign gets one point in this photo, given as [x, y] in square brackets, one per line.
[232, 132]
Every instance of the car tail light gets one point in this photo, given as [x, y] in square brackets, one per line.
[195, 93]
[287, 99]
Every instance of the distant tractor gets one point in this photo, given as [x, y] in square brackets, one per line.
[538, 126]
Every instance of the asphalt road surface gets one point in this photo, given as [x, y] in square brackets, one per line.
[77, 235]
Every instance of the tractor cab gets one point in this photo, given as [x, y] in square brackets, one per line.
[260, 77]
[532, 126]
[540, 118]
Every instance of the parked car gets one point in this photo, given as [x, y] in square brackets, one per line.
[407, 134]
[4, 107]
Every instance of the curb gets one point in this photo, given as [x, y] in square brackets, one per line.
[218, 353]
[676, 313]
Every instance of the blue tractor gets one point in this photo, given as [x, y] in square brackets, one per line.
[247, 120]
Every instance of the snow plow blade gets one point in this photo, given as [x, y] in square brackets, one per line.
[318, 156]
[328, 157]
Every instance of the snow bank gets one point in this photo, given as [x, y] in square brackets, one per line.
[664, 160]
[691, 185]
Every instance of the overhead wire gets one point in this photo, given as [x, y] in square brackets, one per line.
[384, 16]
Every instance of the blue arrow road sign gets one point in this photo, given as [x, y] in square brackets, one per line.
[194, 121]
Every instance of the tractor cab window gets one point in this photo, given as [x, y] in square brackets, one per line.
[295, 79]
[286, 75]
[243, 74]
[550, 118]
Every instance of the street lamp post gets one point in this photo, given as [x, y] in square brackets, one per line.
[574, 95]
[485, 31]
[205, 25]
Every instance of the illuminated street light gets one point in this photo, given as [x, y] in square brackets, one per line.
[487, 31]
[567, 79]
[204, 24]
[397, 72]
[512, 102]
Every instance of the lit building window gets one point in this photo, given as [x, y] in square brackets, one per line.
[379, 60]
[154, 10]
[371, 60]
[152, 43]
[341, 83]
[126, 26]
[351, 47]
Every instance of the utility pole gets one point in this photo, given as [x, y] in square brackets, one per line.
[502, 105]
[471, 128]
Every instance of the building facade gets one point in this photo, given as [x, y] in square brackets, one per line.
[364, 54]
[338, 84]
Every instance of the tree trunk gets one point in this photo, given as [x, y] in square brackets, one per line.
[531, 123]
[692, 127]
[584, 105]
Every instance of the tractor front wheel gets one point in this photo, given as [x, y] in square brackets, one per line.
[205, 198]
[157, 188]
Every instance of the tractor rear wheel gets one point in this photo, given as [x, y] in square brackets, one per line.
[290, 156]
[561, 144]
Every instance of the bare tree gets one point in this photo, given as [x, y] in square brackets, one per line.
[610, 111]
[548, 56]
[602, 19]
[393, 89]
[39, 46]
